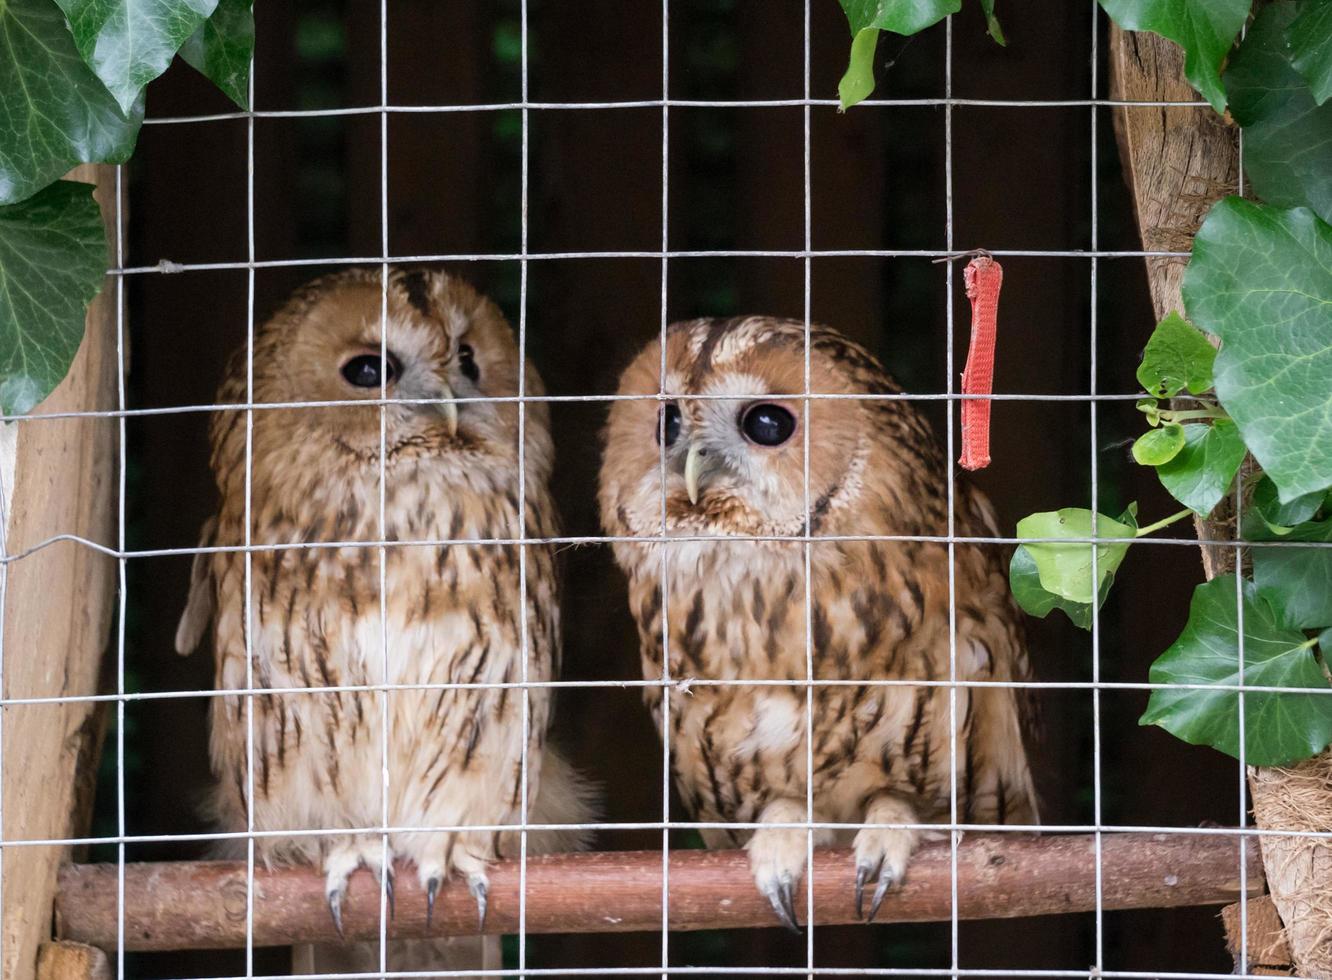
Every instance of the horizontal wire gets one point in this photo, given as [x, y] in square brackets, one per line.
[169, 267]
[657, 825]
[669, 103]
[747, 971]
[683, 685]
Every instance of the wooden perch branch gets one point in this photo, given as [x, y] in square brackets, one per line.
[201, 905]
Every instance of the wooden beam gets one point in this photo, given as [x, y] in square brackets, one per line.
[57, 613]
[202, 905]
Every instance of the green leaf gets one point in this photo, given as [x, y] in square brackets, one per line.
[1025, 581]
[992, 23]
[1199, 476]
[1157, 446]
[1310, 39]
[1278, 727]
[858, 82]
[1065, 569]
[1151, 408]
[1287, 135]
[1205, 29]
[52, 261]
[898, 16]
[1298, 581]
[867, 18]
[221, 49]
[1279, 518]
[54, 113]
[128, 43]
[1261, 280]
[1177, 356]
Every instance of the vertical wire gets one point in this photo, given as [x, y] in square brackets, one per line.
[1095, 505]
[249, 556]
[522, 509]
[808, 544]
[121, 572]
[953, 835]
[1239, 636]
[661, 442]
[382, 695]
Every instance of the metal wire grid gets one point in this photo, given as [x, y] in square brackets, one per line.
[667, 683]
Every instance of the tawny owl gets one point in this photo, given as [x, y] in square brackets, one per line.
[454, 614]
[730, 448]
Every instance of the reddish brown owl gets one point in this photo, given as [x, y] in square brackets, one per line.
[454, 612]
[731, 448]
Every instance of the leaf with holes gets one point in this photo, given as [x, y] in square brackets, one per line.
[1066, 569]
[867, 18]
[52, 260]
[1261, 280]
[1287, 135]
[1205, 29]
[222, 47]
[54, 113]
[1025, 581]
[1199, 475]
[1177, 356]
[1279, 727]
[1157, 446]
[1310, 42]
[1298, 581]
[128, 43]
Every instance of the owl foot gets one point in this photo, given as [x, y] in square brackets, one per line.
[777, 861]
[342, 859]
[882, 853]
[466, 861]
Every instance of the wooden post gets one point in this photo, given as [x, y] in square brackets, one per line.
[59, 477]
[1179, 161]
[72, 961]
[202, 905]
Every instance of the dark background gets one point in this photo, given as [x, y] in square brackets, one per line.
[1022, 180]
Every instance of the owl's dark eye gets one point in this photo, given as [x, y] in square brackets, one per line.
[363, 371]
[668, 424]
[767, 424]
[467, 362]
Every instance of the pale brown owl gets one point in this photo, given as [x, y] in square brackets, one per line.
[733, 440]
[454, 614]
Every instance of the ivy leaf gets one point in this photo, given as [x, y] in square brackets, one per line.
[1261, 280]
[1065, 569]
[52, 261]
[1177, 356]
[1158, 446]
[867, 18]
[1025, 581]
[222, 47]
[1199, 476]
[1205, 29]
[1298, 581]
[1279, 518]
[1287, 135]
[54, 113]
[992, 23]
[1278, 727]
[1310, 39]
[128, 43]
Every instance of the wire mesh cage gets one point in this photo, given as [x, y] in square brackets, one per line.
[602, 176]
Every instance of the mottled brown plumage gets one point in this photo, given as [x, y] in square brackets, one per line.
[454, 614]
[735, 609]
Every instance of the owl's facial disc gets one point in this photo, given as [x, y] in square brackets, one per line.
[367, 373]
[730, 445]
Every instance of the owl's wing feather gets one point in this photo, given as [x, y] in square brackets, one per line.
[198, 613]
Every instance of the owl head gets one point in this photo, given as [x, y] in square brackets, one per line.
[733, 438]
[444, 341]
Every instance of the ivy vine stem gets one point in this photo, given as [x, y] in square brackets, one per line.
[1163, 522]
[1199, 413]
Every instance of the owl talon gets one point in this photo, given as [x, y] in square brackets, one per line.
[782, 897]
[387, 881]
[432, 889]
[864, 873]
[886, 881]
[480, 889]
[334, 897]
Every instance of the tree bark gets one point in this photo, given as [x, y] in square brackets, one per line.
[1179, 161]
[59, 478]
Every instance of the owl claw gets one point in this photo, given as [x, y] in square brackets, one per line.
[432, 889]
[334, 897]
[387, 881]
[886, 881]
[864, 873]
[782, 896]
[480, 889]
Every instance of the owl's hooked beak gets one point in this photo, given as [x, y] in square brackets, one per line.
[695, 464]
